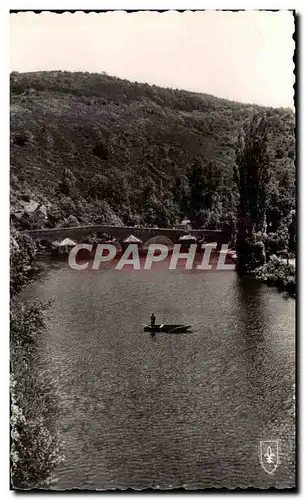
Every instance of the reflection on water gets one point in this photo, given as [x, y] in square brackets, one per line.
[169, 410]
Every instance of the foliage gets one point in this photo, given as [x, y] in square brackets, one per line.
[35, 445]
[67, 182]
[292, 230]
[281, 201]
[252, 175]
[250, 252]
[21, 258]
[278, 272]
[27, 321]
[71, 221]
[99, 150]
[277, 243]
[140, 153]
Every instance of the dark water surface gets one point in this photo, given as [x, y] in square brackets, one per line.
[171, 410]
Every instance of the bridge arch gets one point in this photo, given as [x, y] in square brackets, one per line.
[159, 239]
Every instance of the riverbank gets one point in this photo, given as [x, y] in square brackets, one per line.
[279, 273]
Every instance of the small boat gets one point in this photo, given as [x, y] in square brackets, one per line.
[167, 328]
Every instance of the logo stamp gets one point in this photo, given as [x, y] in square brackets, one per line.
[269, 455]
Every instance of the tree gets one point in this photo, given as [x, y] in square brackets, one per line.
[99, 187]
[197, 183]
[181, 195]
[292, 229]
[67, 183]
[35, 444]
[160, 211]
[21, 258]
[281, 198]
[204, 181]
[252, 175]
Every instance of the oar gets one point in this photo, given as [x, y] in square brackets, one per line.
[175, 328]
[181, 327]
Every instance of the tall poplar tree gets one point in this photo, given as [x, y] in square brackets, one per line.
[252, 175]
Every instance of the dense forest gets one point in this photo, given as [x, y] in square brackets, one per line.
[91, 148]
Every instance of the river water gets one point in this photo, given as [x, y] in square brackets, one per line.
[167, 411]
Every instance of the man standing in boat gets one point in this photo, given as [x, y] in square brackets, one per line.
[152, 320]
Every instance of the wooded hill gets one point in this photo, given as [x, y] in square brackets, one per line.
[96, 149]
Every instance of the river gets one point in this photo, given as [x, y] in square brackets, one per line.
[183, 410]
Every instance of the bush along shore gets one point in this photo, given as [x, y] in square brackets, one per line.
[256, 238]
[35, 443]
[279, 273]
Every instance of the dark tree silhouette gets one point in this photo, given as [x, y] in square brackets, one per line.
[252, 176]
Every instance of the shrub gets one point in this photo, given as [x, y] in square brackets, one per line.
[25, 197]
[251, 253]
[21, 259]
[100, 151]
[131, 136]
[71, 221]
[278, 272]
[35, 444]
[276, 243]
[20, 139]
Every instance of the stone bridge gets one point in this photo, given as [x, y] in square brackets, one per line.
[79, 233]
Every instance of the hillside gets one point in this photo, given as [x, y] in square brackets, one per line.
[101, 149]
